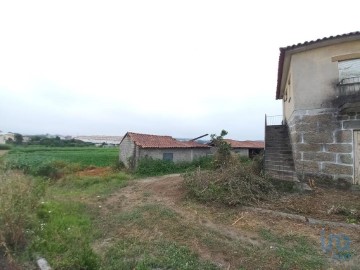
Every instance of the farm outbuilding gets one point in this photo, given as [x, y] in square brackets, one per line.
[246, 148]
[135, 146]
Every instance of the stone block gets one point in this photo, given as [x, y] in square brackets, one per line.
[298, 156]
[307, 167]
[321, 118]
[346, 158]
[308, 147]
[339, 148]
[318, 137]
[351, 124]
[320, 156]
[343, 136]
[337, 169]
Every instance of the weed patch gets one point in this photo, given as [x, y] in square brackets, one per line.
[90, 185]
[294, 251]
[132, 253]
[63, 237]
[19, 199]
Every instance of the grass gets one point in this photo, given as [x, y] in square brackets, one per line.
[294, 251]
[87, 186]
[133, 253]
[19, 198]
[63, 236]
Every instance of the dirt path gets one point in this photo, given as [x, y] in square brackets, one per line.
[231, 224]
[3, 152]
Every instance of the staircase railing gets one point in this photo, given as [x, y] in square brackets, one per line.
[274, 120]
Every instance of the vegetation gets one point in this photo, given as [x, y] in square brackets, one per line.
[234, 180]
[64, 235]
[5, 147]
[152, 167]
[131, 253]
[295, 252]
[231, 185]
[223, 153]
[19, 199]
[87, 219]
[57, 142]
[55, 162]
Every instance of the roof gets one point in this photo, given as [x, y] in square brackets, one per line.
[308, 45]
[157, 141]
[245, 144]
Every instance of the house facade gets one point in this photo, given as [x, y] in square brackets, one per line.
[247, 149]
[319, 85]
[6, 136]
[135, 146]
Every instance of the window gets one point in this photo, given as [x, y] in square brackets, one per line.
[349, 77]
[168, 156]
[349, 69]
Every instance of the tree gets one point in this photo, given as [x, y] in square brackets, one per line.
[223, 152]
[18, 138]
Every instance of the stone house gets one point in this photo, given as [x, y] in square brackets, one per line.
[319, 132]
[6, 136]
[135, 146]
[246, 148]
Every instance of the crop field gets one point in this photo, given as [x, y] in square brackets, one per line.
[86, 156]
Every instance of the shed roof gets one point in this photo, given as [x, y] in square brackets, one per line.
[157, 141]
[308, 45]
[245, 144]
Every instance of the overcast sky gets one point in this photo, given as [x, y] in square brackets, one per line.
[180, 68]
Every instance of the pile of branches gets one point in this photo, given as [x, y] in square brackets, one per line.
[237, 183]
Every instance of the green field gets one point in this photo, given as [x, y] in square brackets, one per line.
[86, 156]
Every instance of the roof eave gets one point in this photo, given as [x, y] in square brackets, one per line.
[286, 52]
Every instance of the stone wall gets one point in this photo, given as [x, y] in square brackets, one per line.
[322, 143]
[127, 150]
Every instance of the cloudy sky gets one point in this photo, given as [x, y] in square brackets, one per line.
[180, 68]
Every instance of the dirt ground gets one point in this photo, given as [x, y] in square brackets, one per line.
[239, 224]
[3, 152]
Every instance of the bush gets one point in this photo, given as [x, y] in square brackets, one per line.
[5, 147]
[237, 183]
[152, 167]
[19, 197]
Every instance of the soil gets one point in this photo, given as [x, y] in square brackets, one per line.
[3, 152]
[238, 223]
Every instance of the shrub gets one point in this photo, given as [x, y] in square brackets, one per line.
[19, 197]
[5, 147]
[152, 167]
[237, 183]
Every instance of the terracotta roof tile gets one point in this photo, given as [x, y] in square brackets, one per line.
[156, 141]
[245, 144]
[283, 50]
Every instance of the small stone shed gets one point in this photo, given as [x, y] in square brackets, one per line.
[246, 148]
[135, 146]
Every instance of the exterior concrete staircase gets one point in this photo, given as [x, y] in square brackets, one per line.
[279, 162]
